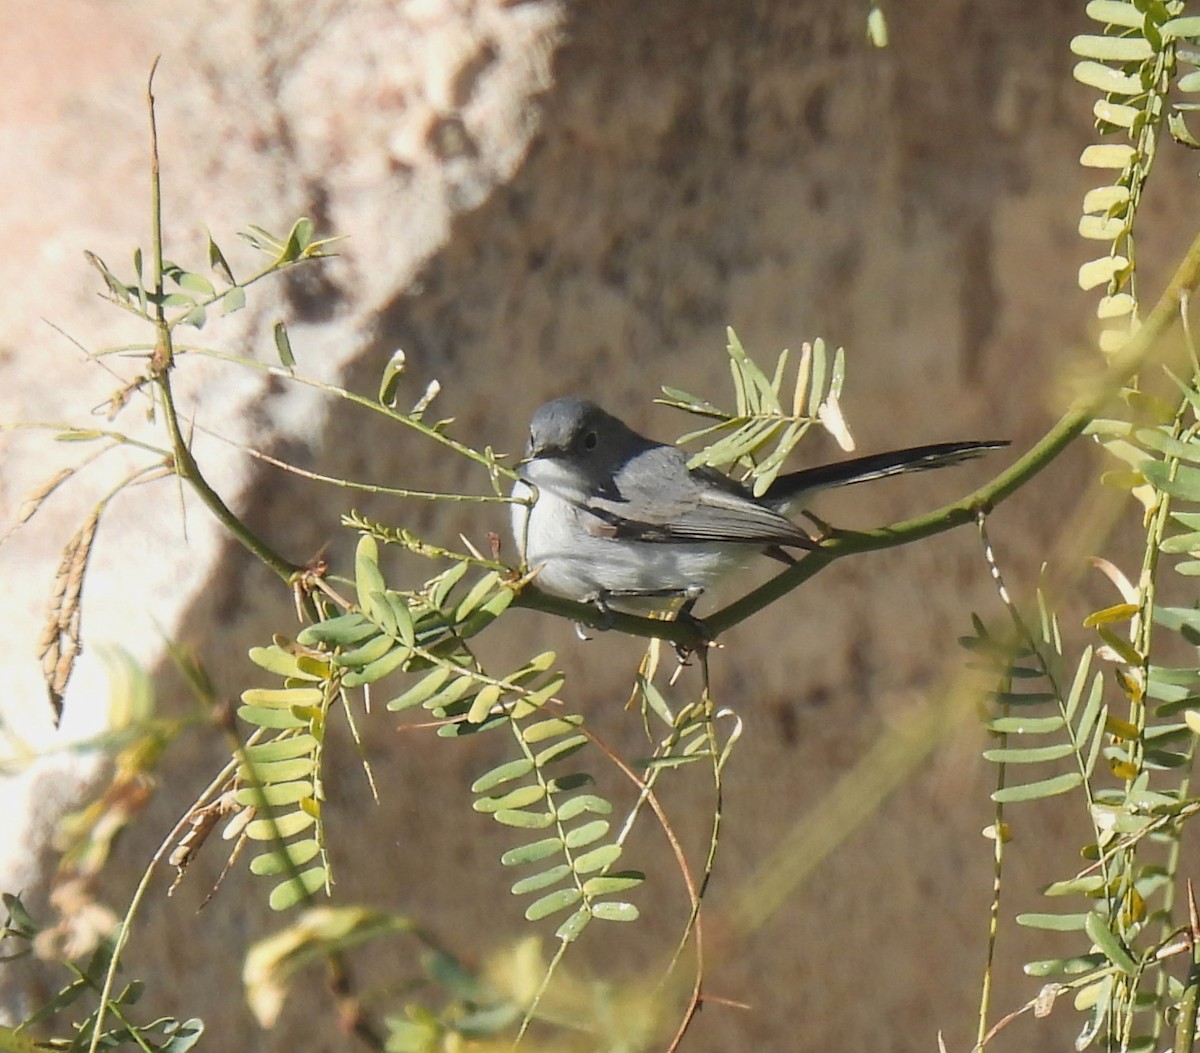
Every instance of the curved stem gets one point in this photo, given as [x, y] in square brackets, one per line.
[1070, 426]
[187, 469]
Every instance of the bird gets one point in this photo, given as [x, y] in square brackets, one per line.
[605, 516]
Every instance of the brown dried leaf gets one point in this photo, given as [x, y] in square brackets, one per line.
[59, 644]
[201, 822]
[33, 500]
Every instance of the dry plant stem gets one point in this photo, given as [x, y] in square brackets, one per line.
[695, 922]
[161, 362]
[350, 484]
[993, 932]
[428, 431]
[139, 893]
[188, 470]
[1189, 944]
[710, 860]
[1016, 1014]
[186, 467]
[551, 968]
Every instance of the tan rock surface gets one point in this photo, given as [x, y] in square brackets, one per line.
[540, 202]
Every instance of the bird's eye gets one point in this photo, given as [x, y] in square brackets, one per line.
[590, 440]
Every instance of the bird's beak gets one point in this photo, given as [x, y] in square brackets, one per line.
[537, 453]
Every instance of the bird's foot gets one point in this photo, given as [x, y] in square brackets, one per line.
[684, 616]
[599, 600]
[822, 529]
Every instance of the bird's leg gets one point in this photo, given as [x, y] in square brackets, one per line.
[601, 599]
[823, 529]
[685, 617]
[597, 599]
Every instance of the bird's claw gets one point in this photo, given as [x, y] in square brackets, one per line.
[599, 600]
[684, 616]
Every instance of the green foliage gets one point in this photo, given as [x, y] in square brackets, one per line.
[740, 440]
[66, 1015]
[1135, 803]
[426, 632]
[1121, 751]
[1132, 62]
[189, 296]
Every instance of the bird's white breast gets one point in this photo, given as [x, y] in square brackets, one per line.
[575, 559]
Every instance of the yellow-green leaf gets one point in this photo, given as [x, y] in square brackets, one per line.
[1102, 228]
[483, 702]
[279, 719]
[297, 889]
[1176, 28]
[1112, 49]
[548, 729]
[282, 697]
[521, 797]
[552, 903]
[1106, 79]
[423, 689]
[1115, 113]
[278, 771]
[1120, 612]
[1102, 270]
[276, 794]
[368, 578]
[293, 857]
[1115, 13]
[280, 826]
[281, 749]
[1116, 156]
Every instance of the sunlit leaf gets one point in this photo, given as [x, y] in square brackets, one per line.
[1037, 790]
[571, 929]
[297, 889]
[1054, 922]
[515, 769]
[610, 883]
[421, 691]
[587, 833]
[533, 852]
[279, 826]
[553, 903]
[615, 911]
[597, 859]
[520, 798]
[292, 857]
[1098, 931]
[389, 382]
[539, 881]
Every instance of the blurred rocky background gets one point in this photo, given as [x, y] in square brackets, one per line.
[542, 198]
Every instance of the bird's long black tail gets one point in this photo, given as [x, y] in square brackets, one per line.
[791, 489]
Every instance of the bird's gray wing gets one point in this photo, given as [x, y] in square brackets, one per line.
[655, 497]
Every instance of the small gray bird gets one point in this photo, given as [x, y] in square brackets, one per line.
[621, 520]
